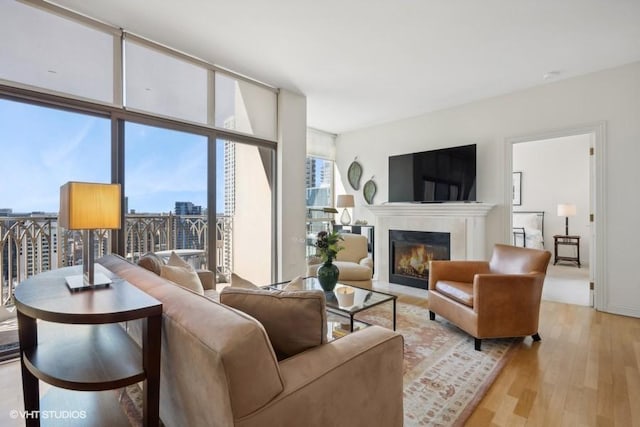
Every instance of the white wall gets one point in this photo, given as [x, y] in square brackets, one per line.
[610, 95]
[556, 171]
[291, 201]
[252, 220]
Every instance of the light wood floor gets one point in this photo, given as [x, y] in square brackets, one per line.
[584, 372]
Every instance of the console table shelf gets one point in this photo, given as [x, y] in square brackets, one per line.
[85, 357]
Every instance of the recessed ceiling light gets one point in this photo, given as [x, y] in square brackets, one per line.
[551, 74]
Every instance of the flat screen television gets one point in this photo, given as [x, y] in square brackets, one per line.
[444, 175]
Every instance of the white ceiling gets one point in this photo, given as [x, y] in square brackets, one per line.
[364, 62]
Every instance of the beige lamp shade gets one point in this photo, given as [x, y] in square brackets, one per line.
[89, 206]
[345, 201]
[566, 210]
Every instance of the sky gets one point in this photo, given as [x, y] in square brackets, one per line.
[42, 148]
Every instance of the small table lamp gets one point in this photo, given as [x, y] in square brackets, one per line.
[345, 201]
[89, 206]
[566, 210]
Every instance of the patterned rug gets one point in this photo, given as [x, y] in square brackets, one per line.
[444, 377]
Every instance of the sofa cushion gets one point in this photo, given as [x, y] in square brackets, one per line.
[458, 291]
[294, 320]
[151, 262]
[185, 277]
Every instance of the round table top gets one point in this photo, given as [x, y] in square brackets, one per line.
[46, 296]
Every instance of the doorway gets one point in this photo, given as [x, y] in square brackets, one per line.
[557, 177]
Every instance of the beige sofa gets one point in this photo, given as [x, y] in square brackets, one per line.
[354, 262]
[218, 367]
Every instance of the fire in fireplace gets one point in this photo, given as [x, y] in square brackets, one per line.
[410, 253]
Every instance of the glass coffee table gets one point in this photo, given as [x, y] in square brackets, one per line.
[363, 299]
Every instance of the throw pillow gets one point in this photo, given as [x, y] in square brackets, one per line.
[239, 282]
[186, 277]
[295, 321]
[151, 262]
[175, 260]
[297, 284]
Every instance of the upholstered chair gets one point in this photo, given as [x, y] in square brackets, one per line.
[354, 262]
[495, 299]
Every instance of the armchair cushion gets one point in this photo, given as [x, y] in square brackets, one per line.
[295, 321]
[348, 271]
[457, 291]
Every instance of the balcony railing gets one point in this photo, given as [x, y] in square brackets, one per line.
[32, 244]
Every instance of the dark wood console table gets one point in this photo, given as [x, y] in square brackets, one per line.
[562, 240]
[83, 348]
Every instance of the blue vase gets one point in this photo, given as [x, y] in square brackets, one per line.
[328, 276]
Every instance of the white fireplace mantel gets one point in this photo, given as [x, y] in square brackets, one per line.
[465, 222]
[431, 209]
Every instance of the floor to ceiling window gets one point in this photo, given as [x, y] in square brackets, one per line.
[41, 149]
[165, 193]
[173, 165]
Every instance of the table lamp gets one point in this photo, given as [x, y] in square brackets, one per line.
[566, 210]
[345, 201]
[88, 206]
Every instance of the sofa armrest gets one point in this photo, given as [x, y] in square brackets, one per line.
[206, 277]
[456, 271]
[361, 370]
[367, 262]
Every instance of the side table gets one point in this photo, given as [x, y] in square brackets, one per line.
[562, 240]
[83, 348]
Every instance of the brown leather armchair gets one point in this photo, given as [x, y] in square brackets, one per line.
[495, 299]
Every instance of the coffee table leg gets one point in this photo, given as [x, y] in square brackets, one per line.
[351, 322]
[394, 314]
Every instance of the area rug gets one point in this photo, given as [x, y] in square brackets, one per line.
[444, 377]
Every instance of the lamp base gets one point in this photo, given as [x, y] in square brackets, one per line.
[345, 219]
[79, 283]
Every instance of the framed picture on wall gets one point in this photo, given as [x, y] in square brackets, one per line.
[517, 189]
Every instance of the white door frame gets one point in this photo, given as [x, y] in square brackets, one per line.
[596, 193]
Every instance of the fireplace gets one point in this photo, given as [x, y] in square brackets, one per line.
[410, 253]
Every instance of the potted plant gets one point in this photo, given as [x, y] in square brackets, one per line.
[327, 247]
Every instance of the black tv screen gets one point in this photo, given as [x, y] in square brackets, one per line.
[444, 175]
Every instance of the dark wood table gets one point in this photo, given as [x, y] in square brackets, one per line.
[80, 346]
[562, 240]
